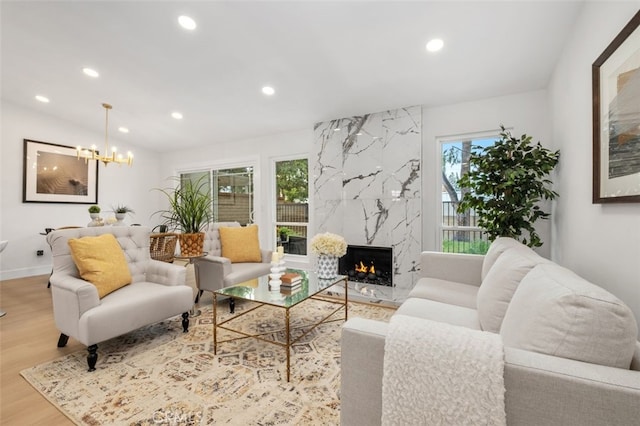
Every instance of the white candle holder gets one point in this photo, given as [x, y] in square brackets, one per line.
[275, 268]
[274, 276]
[274, 285]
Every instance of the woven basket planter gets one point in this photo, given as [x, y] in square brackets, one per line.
[191, 244]
[162, 246]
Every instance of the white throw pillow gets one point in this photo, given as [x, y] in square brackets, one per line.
[555, 312]
[497, 247]
[501, 282]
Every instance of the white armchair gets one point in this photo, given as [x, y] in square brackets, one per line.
[157, 291]
[214, 272]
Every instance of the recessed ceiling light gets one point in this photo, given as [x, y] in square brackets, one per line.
[90, 72]
[268, 90]
[123, 129]
[435, 45]
[176, 115]
[187, 23]
[42, 99]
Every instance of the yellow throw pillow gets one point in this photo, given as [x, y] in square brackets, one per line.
[240, 244]
[100, 260]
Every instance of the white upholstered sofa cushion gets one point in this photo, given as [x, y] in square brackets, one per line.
[445, 291]
[441, 312]
[556, 312]
[500, 284]
[497, 247]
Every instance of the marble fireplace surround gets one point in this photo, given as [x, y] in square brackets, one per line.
[366, 173]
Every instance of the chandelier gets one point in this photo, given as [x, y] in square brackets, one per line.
[92, 154]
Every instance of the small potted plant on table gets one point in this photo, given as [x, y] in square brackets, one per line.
[121, 212]
[94, 213]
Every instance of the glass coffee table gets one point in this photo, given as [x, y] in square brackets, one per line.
[258, 291]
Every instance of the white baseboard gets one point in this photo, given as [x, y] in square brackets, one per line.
[11, 274]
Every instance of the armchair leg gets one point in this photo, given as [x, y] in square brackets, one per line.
[92, 358]
[198, 295]
[185, 322]
[62, 341]
[232, 305]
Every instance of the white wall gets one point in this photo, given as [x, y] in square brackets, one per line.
[599, 242]
[258, 151]
[523, 113]
[21, 223]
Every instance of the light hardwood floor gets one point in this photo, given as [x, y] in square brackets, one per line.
[28, 336]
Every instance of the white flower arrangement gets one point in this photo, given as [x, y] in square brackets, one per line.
[329, 244]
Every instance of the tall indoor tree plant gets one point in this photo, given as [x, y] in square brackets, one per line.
[506, 183]
[189, 212]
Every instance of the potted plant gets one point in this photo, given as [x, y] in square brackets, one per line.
[507, 181]
[94, 211]
[284, 233]
[121, 211]
[189, 212]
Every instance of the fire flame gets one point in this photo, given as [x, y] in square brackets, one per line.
[365, 269]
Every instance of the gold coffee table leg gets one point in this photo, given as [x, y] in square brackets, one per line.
[286, 325]
[215, 322]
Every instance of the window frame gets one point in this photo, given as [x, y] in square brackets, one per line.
[273, 204]
[440, 143]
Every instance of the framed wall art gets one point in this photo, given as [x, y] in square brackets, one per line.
[54, 174]
[616, 118]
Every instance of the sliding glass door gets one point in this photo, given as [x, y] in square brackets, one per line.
[231, 192]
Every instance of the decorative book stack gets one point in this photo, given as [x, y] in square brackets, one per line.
[291, 281]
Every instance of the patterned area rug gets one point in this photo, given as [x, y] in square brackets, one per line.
[159, 375]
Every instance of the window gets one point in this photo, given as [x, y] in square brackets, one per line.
[233, 199]
[292, 205]
[232, 193]
[459, 232]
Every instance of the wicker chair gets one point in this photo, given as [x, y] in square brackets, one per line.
[163, 246]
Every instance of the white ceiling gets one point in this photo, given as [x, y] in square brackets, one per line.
[325, 59]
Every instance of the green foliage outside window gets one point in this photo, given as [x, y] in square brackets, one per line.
[292, 180]
[506, 183]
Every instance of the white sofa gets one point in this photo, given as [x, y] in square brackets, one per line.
[570, 348]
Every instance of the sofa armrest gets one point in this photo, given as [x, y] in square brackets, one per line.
[361, 366]
[73, 297]
[165, 273]
[543, 389]
[210, 272]
[457, 267]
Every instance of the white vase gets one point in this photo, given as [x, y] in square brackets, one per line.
[120, 219]
[327, 266]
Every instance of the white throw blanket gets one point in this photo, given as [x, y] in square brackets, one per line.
[440, 374]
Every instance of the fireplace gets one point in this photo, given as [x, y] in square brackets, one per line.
[368, 264]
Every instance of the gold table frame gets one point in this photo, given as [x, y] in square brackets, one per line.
[246, 291]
